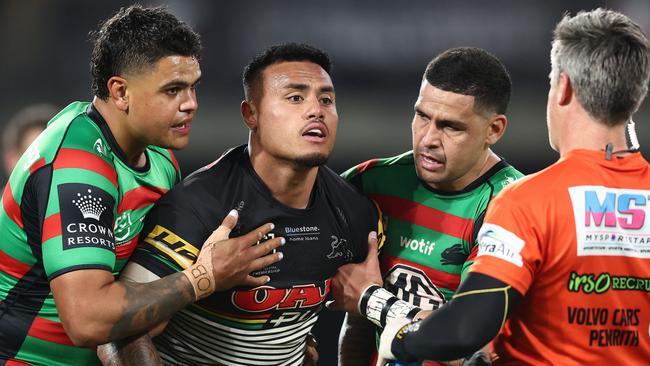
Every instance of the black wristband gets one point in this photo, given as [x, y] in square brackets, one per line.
[411, 315]
[384, 311]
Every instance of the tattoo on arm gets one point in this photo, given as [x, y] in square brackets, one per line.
[131, 351]
[148, 304]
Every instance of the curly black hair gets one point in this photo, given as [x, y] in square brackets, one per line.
[281, 53]
[134, 38]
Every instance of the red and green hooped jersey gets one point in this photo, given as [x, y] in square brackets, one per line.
[430, 234]
[71, 203]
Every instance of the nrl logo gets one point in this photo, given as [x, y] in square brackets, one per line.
[90, 207]
[123, 226]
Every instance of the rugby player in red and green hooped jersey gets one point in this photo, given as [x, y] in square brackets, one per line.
[73, 207]
[435, 197]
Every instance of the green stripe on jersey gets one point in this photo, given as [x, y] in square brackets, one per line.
[53, 354]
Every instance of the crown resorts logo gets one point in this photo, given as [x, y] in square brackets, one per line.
[90, 207]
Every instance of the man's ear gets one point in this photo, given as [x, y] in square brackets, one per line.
[496, 128]
[564, 93]
[118, 93]
[249, 113]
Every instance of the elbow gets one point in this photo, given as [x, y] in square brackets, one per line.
[84, 333]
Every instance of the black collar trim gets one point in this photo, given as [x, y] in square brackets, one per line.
[96, 117]
[475, 184]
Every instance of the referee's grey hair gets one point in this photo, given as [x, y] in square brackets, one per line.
[607, 58]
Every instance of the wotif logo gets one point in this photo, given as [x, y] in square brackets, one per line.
[624, 210]
[90, 207]
[424, 247]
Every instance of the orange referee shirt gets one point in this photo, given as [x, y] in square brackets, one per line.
[575, 240]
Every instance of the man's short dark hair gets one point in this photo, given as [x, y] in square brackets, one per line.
[136, 37]
[474, 72]
[281, 53]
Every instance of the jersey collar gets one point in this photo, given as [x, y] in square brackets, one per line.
[475, 184]
[99, 120]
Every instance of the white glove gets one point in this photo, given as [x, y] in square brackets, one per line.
[389, 333]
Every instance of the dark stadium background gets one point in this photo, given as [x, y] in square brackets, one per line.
[379, 49]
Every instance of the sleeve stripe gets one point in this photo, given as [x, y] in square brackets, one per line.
[124, 251]
[37, 165]
[10, 206]
[51, 227]
[50, 331]
[12, 266]
[76, 158]
[140, 197]
[365, 166]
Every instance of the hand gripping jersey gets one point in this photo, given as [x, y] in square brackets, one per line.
[575, 240]
[265, 325]
[71, 203]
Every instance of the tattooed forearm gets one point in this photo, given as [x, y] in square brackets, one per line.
[146, 305]
[132, 351]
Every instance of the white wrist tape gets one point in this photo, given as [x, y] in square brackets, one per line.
[380, 306]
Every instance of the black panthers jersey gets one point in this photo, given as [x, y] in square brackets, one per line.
[265, 325]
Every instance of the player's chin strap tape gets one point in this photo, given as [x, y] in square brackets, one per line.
[380, 306]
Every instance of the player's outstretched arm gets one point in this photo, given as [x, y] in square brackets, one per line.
[96, 309]
[469, 321]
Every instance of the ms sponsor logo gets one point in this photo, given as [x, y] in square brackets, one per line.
[611, 221]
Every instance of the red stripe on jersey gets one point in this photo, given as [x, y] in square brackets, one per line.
[366, 165]
[51, 227]
[50, 331]
[124, 251]
[12, 362]
[38, 164]
[76, 158]
[11, 207]
[425, 216]
[174, 161]
[13, 266]
[439, 278]
[140, 197]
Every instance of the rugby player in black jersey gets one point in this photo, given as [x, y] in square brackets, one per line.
[278, 177]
